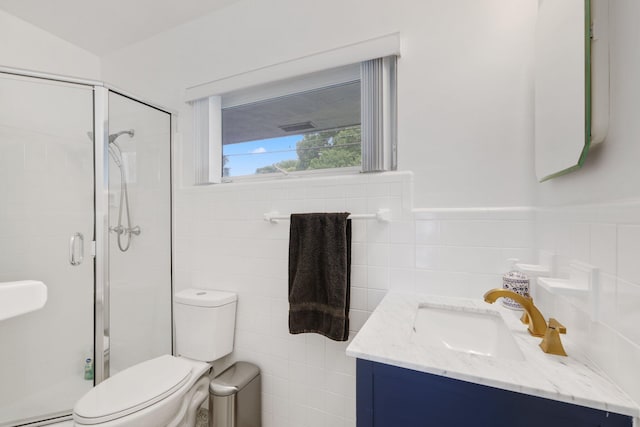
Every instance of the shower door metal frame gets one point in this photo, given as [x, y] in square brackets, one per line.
[102, 283]
[100, 245]
[101, 237]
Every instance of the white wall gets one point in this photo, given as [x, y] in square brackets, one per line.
[464, 131]
[29, 47]
[611, 170]
[464, 86]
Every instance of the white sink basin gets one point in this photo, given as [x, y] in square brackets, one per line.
[21, 297]
[464, 330]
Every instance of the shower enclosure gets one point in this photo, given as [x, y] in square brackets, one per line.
[85, 207]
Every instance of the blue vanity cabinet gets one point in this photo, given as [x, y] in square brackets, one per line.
[389, 396]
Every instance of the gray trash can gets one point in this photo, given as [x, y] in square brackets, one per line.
[234, 397]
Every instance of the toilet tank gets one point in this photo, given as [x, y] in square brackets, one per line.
[205, 322]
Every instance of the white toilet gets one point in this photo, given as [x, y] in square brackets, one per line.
[167, 390]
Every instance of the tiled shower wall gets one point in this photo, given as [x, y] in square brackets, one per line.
[223, 242]
[606, 236]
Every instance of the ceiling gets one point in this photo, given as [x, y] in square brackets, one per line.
[103, 26]
[330, 107]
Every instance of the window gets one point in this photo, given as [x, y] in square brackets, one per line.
[314, 129]
[334, 119]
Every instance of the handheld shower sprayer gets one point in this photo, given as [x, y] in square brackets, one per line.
[116, 154]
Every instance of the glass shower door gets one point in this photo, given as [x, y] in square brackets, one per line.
[139, 303]
[46, 198]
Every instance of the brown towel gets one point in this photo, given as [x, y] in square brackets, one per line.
[320, 274]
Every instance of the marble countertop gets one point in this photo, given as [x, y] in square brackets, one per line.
[386, 338]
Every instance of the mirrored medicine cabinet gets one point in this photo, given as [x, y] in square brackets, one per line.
[571, 80]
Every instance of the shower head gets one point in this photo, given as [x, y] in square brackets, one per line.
[114, 148]
[115, 136]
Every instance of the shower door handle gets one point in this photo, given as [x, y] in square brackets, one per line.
[76, 245]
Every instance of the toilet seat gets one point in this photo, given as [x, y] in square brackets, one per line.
[132, 390]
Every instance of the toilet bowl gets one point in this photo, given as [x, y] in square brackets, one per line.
[167, 390]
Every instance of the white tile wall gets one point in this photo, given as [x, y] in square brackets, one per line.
[608, 237]
[463, 252]
[224, 243]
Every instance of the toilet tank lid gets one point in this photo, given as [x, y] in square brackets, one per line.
[204, 297]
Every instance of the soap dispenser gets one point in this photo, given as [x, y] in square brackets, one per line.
[515, 281]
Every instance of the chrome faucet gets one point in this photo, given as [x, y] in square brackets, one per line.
[532, 316]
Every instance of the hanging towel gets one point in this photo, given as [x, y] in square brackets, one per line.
[320, 274]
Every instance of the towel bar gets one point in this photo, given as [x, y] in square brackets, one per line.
[382, 215]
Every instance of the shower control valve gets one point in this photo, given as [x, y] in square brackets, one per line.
[118, 229]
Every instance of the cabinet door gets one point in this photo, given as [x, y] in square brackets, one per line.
[388, 396]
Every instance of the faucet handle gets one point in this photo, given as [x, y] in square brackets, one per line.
[554, 324]
[551, 342]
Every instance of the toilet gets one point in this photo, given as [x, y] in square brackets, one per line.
[167, 390]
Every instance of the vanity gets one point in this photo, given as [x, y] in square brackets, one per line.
[427, 360]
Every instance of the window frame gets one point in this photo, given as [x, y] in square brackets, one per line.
[211, 158]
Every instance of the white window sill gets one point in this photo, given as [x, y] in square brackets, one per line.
[354, 170]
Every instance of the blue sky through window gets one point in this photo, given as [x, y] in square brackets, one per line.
[246, 157]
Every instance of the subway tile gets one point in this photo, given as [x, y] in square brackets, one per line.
[524, 255]
[335, 192]
[402, 232]
[313, 205]
[296, 350]
[315, 350]
[402, 279]
[358, 231]
[628, 253]
[358, 298]
[316, 376]
[470, 259]
[338, 361]
[607, 300]
[628, 354]
[516, 234]
[376, 203]
[427, 232]
[378, 278]
[427, 257]
[359, 275]
[377, 232]
[335, 205]
[356, 205]
[401, 256]
[470, 233]
[602, 346]
[358, 254]
[336, 404]
[377, 190]
[357, 319]
[341, 384]
[355, 191]
[603, 247]
[378, 254]
[628, 314]
[374, 296]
